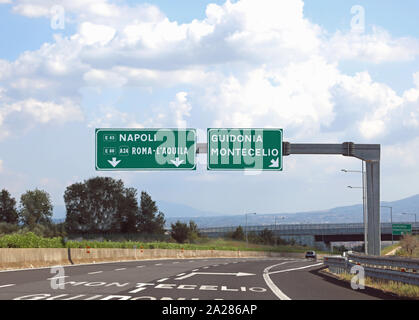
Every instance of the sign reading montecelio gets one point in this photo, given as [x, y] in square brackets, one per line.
[145, 149]
[244, 149]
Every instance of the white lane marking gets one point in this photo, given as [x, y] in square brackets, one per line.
[276, 291]
[161, 280]
[191, 261]
[205, 267]
[180, 274]
[158, 264]
[81, 264]
[53, 278]
[293, 269]
[140, 266]
[95, 272]
[120, 269]
[176, 262]
[195, 270]
[237, 274]
[7, 285]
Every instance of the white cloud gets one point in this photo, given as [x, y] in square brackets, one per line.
[297, 96]
[181, 109]
[257, 63]
[45, 111]
[91, 34]
[403, 153]
[376, 47]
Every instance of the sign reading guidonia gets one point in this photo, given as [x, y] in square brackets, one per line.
[244, 149]
[145, 149]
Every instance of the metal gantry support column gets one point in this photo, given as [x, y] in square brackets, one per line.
[370, 153]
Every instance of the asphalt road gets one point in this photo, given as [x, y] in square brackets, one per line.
[197, 279]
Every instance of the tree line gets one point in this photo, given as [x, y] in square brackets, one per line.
[100, 205]
[96, 205]
[33, 213]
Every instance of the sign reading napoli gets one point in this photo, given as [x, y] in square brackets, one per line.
[145, 149]
[244, 149]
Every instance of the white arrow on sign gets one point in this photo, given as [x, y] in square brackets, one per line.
[114, 162]
[177, 162]
[237, 274]
[274, 163]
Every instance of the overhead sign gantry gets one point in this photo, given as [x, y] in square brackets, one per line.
[231, 149]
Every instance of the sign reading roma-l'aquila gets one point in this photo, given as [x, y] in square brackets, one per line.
[145, 149]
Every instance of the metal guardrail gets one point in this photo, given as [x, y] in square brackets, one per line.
[386, 268]
[389, 262]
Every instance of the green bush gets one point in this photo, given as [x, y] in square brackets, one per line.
[6, 228]
[29, 240]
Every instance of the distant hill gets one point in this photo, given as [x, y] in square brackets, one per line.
[346, 214]
[173, 210]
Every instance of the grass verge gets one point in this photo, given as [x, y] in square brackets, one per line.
[399, 289]
[30, 240]
[389, 248]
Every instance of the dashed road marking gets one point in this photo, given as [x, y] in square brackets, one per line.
[7, 285]
[158, 264]
[95, 272]
[180, 274]
[195, 269]
[120, 269]
[62, 277]
[140, 266]
[161, 280]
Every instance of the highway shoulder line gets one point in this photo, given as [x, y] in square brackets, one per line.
[299, 268]
[276, 291]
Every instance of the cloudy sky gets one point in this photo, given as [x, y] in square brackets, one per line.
[325, 71]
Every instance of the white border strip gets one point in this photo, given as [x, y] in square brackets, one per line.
[271, 284]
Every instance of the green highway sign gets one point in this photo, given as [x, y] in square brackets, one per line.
[145, 149]
[244, 149]
[399, 229]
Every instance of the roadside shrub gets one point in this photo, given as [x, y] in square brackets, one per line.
[29, 240]
[6, 228]
[409, 244]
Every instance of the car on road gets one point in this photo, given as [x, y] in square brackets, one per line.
[311, 255]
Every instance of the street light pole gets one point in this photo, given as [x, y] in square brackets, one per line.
[412, 214]
[247, 241]
[391, 220]
[364, 202]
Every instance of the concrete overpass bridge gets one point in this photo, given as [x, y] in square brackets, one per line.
[316, 235]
